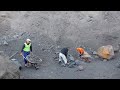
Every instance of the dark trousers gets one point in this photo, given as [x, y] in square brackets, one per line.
[25, 54]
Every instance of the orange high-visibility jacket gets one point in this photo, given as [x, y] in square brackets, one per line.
[80, 50]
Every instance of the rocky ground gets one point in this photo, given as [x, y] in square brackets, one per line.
[50, 31]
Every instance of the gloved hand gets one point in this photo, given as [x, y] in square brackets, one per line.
[21, 53]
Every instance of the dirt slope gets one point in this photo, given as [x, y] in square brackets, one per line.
[50, 29]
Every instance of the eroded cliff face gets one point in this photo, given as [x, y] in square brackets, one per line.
[50, 30]
[64, 27]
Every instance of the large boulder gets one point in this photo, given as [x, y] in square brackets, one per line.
[8, 69]
[106, 52]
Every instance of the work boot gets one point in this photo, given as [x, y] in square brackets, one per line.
[25, 65]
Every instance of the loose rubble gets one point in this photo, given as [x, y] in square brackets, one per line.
[60, 29]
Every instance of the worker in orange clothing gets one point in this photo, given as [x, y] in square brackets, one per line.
[83, 54]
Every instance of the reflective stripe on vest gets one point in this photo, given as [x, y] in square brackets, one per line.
[27, 47]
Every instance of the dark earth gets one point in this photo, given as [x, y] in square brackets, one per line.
[52, 30]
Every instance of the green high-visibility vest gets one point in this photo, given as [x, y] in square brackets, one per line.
[27, 47]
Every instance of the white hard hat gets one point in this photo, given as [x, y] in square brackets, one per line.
[28, 40]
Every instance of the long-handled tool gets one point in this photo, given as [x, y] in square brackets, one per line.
[13, 55]
[32, 63]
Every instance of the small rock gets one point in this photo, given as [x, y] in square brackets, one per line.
[18, 64]
[58, 46]
[39, 44]
[13, 59]
[63, 65]
[56, 52]
[16, 36]
[89, 20]
[2, 73]
[43, 49]
[71, 58]
[96, 57]
[105, 60]
[77, 62]
[1, 52]
[5, 43]
[71, 64]
[94, 53]
[90, 16]
[55, 58]
[3, 15]
[51, 46]
[80, 68]
[118, 65]
[51, 72]
[117, 48]
[83, 62]
[22, 33]
[90, 49]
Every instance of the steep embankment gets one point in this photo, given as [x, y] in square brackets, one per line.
[65, 28]
[49, 29]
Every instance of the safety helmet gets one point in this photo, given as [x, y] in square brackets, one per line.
[28, 40]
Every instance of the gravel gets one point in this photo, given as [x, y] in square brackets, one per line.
[51, 31]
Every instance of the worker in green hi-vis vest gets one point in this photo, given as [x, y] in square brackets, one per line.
[26, 49]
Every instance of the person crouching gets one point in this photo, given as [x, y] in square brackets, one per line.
[83, 54]
[63, 56]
